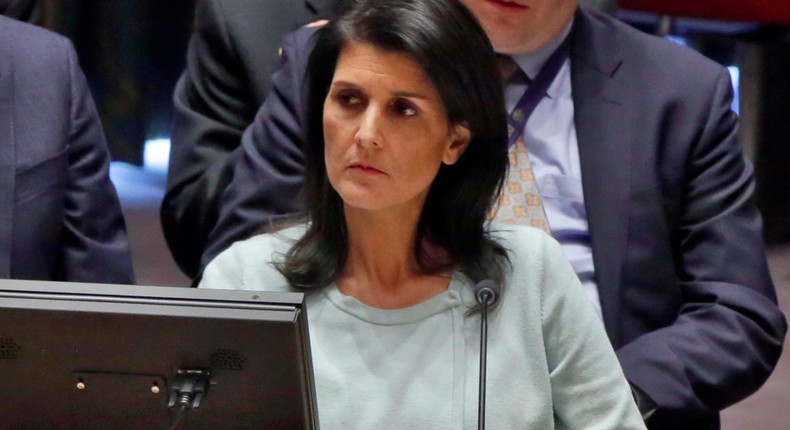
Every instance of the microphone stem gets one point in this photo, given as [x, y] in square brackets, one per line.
[481, 407]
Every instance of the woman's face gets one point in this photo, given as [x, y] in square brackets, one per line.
[385, 130]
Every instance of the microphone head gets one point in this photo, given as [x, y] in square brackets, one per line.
[487, 291]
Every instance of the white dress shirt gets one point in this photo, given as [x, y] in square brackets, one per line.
[550, 137]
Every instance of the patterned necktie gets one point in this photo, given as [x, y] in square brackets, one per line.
[520, 202]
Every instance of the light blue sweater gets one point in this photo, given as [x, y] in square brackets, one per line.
[550, 364]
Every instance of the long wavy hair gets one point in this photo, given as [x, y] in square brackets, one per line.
[454, 52]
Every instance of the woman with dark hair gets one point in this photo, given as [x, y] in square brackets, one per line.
[406, 154]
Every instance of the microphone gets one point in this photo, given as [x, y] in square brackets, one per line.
[486, 293]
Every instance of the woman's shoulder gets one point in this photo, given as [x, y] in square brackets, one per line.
[279, 241]
[250, 264]
[265, 247]
[535, 257]
[521, 241]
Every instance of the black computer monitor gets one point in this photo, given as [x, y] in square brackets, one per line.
[93, 356]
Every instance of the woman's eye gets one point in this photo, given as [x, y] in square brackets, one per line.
[405, 109]
[348, 99]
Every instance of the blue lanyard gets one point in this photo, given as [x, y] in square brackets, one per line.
[537, 89]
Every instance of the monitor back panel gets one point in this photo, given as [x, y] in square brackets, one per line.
[108, 361]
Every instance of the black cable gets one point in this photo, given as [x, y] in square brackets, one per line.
[186, 392]
[481, 405]
[486, 293]
[180, 413]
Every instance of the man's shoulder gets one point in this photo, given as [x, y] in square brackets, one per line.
[641, 50]
[42, 62]
[239, 9]
[267, 19]
[249, 12]
[24, 37]
[39, 55]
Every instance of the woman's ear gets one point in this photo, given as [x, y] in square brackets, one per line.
[460, 136]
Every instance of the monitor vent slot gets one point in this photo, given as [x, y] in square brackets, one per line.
[8, 348]
[228, 359]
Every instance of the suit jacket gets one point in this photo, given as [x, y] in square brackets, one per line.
[686, 296]
[60, 218]
[232, 54]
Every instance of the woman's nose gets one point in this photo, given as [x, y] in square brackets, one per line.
[369, 132]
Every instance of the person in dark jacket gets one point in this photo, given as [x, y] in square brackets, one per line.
[60, 218]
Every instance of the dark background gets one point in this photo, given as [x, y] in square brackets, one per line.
[132, 52]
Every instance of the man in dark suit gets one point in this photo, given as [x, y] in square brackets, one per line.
[232, 54]
[644, 184]
[60, 218]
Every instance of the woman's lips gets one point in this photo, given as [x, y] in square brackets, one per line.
[507, 5]
[364, 168]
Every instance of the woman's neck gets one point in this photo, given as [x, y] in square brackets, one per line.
[381, 269]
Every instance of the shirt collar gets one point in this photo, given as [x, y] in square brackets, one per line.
[531, 62]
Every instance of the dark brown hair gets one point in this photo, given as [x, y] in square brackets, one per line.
[454, 52]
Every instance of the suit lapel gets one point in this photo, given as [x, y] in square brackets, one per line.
[7, 154]
[604, 151]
